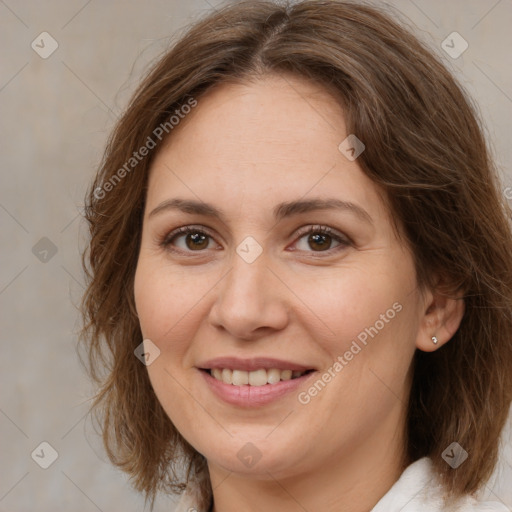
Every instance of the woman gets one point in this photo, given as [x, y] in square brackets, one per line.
[300, 276]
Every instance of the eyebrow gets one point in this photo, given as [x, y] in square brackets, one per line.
[281, 211]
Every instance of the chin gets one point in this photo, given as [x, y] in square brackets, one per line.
[256, 456]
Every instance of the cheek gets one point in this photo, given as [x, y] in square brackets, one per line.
[345, 302]
[166, 297]
[167, 310]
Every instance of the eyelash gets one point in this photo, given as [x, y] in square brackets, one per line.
[344, 241]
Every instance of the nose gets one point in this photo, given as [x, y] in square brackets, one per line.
[250, 301]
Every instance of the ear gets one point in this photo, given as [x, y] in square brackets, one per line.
[442, 315]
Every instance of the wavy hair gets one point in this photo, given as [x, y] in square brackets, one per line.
[424, 147]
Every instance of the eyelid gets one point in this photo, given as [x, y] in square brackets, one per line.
[342, 239]
[184, 230]
[321, 228]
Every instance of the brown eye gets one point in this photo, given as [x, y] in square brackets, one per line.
[196, 241]
[317, 239]
[320, 241]
[188, 239]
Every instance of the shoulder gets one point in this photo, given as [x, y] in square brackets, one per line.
[188, 503]
[419, 490]
[190, 499]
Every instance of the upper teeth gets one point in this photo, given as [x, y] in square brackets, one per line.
[255, 378]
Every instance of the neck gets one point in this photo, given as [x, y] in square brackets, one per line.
[343, 482]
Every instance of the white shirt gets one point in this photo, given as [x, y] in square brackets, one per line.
[417, 490]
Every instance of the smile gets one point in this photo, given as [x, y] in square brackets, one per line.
[253, 382]
[259, 377]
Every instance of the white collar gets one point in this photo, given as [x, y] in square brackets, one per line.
[417, 490]
[420, 490]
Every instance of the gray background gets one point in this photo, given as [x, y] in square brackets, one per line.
[55, 116]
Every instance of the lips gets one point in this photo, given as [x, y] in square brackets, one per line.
[253, 382]
[252, 364]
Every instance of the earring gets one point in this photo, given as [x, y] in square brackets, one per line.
[434, 339]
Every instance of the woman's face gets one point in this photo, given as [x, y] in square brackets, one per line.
[258, 284]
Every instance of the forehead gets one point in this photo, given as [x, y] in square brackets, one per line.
[269, 140]
[261, 114]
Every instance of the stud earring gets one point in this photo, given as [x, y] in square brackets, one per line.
[434, 339]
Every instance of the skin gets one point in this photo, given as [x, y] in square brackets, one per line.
[244, 149]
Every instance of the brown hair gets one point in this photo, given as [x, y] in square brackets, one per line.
[424, 147]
